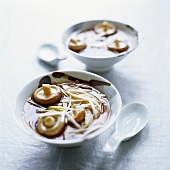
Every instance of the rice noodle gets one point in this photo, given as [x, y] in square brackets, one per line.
[72, 120]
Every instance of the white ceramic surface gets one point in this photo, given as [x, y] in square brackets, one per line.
[27, 90]
[103, 63]
[131, 120]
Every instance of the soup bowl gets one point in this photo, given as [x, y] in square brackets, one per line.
[99, 83]
[95, 55]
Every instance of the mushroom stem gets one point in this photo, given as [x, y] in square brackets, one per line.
[47, 90]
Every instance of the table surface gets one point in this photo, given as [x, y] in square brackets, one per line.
[144, 75]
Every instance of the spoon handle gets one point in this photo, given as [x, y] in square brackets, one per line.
[113, 143]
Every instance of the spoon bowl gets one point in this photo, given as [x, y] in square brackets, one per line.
[50, 54]
[131, 120]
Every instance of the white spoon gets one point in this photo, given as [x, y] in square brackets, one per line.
[50, 54]
[131, 120]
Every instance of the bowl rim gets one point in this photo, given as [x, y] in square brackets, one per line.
[138, 35]
[70, 142]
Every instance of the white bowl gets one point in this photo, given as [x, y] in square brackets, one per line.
[102, 63]
[27, 90]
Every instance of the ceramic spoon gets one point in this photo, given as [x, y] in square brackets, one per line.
[131, 120]
[50, 54]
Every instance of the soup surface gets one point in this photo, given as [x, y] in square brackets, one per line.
[99, 41]
[78, 110]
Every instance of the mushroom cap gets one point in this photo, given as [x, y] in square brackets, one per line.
[119, 46]
[77, 45]
[105, 28]
[47, 94]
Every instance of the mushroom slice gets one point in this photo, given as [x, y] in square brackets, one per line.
[51, 125]
[47, 94]
[77, 45]
[105, 28]
[119, 46]
[79, 114]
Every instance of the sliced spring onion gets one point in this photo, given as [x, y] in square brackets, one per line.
[58, 108]
[51, 113]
